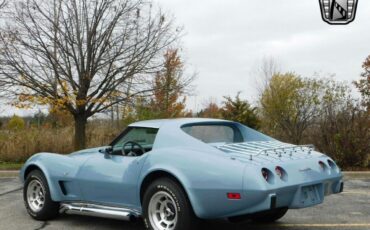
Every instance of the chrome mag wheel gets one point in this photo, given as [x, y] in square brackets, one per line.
[35, 195]
[162, 211]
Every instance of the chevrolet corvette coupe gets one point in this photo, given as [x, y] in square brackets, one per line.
[177, 171]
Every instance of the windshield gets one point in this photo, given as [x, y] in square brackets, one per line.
[145, 137]
[223, 132]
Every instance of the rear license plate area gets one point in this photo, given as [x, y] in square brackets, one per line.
[310, 195]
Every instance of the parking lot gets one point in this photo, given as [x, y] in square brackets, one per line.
[349, 210]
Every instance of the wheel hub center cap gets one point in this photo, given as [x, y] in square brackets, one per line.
[163, 214]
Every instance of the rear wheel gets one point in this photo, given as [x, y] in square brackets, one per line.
[270, 216]
[37, 199]
[166, 207]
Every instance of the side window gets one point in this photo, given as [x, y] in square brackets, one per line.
[143, 136]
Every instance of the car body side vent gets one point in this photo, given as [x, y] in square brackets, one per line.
[62, 187]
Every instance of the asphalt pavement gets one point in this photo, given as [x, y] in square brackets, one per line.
[346, 211]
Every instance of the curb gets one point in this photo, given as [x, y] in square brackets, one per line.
[9, 174]
[364, 174]
[9, 171]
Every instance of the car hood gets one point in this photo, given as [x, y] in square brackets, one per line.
[88, 151]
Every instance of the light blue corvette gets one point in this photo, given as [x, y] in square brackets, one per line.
[173, 172]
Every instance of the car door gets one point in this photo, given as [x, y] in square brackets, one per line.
[112, 178]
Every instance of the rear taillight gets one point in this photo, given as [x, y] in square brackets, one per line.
[322, 165]
[333, 166]
[265, 174]
[234, 196]
[279, 171]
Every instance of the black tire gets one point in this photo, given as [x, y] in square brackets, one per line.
[186, 218]
[270, 216]
[50, 209]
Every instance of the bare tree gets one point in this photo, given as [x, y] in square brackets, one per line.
[268, 67]
[82, 55]
[2, 4]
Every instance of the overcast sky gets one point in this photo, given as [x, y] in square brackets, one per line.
[226, 40]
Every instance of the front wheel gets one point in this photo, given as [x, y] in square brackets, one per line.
[37, 199]
[166, 207]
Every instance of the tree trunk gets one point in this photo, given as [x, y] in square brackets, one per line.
[80, 131]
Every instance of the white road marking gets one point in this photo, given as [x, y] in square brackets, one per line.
[356, 192]
[353, 225]
[356, 213]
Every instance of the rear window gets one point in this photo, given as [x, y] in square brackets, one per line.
[214, 133]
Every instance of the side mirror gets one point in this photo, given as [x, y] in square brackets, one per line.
[107, 151]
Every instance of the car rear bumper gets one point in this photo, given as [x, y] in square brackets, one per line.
[214, 204]
[294, 197]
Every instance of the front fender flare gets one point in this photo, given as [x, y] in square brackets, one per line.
[38, 165]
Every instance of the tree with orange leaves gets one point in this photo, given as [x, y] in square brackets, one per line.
[210, 110]
[170, 88]
[363, 85]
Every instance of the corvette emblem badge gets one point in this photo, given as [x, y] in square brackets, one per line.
[338, 12]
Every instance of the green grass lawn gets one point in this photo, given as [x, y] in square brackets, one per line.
[10, 166]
